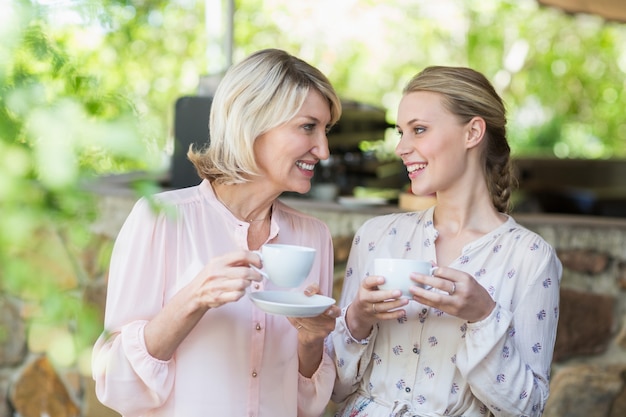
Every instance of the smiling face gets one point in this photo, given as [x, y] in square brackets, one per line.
[287, 155]
[433, 143]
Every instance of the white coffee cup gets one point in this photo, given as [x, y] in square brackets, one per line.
[397, 273]
[286, 265]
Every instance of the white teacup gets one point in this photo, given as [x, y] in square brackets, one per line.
[286, 265]
[397, 273]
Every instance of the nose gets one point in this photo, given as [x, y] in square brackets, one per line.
[320, 148]
[403, 147]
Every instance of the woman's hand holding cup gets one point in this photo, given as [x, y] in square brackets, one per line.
[286, 266]
[397, 273]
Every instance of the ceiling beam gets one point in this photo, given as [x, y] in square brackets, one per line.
[613, 10]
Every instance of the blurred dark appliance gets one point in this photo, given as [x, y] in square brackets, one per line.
[572, 186]
[191, 126]
[350, 166]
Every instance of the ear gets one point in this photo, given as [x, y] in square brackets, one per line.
[476, 129]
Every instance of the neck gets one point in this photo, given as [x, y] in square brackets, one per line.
[224, 196]
[459, 217]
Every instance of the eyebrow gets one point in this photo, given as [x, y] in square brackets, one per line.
[412, 121]
[315, 120]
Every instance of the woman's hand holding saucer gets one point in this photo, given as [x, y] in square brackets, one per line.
[313, 329]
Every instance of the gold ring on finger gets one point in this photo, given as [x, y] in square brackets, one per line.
[453, 290]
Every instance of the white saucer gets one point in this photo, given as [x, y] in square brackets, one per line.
[350, 201]
[291, 304]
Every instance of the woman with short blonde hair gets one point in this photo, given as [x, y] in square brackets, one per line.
[182, 336]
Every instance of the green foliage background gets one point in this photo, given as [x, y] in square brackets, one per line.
[88, 88]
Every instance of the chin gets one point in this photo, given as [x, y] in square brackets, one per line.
[302, 189]
[421, 192]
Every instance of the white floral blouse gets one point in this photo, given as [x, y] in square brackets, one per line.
[433, 364]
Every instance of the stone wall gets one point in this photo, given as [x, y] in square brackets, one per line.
[589, 370]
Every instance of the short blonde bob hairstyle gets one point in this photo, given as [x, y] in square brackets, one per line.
[265, 90]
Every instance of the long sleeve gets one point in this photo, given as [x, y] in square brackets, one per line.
[127, 378]
[314, 393]
[351, 356]
[506, 358]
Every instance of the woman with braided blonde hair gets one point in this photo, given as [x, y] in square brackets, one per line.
[476, 338]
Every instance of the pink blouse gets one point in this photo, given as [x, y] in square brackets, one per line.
[238, 360]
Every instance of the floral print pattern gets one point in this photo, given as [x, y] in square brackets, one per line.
[433, 364]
